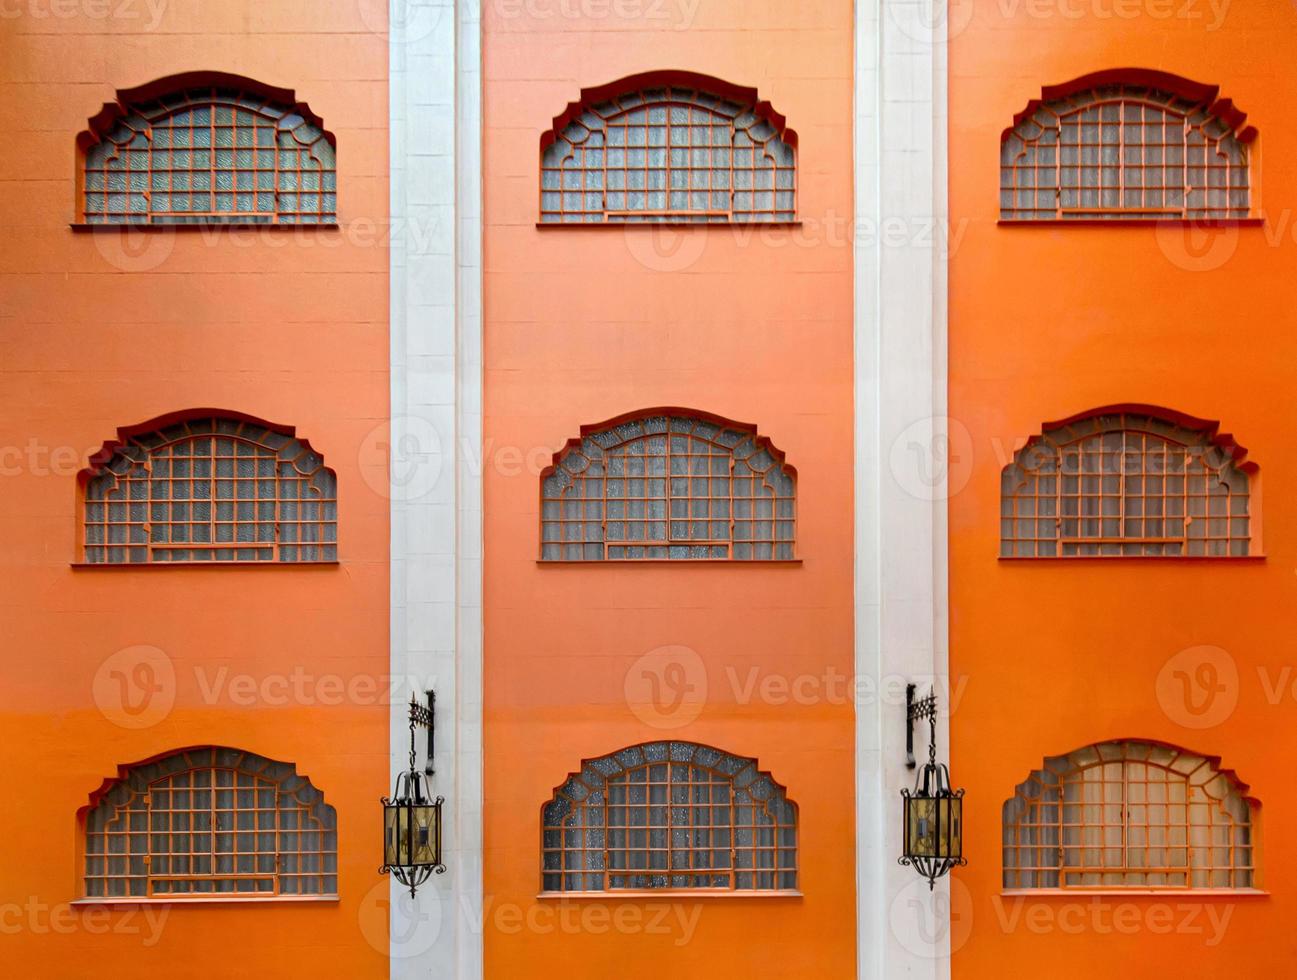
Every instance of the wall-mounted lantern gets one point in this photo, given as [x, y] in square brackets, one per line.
[412, 818]
[934, 813]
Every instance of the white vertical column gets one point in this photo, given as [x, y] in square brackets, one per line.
[900, 389]
[435, 438]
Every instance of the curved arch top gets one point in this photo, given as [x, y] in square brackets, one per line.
[1130, 813]
[208, 485]
[1128, 143]
[203, 148]
[671, 816]
[668, 483]
[209, 821]
[1127, 480]
[668, 146]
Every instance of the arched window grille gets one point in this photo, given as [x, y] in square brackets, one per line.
[670, 147]
[209, 489]
[210, 822]
[1134, 144]
[668, 484]
[1129, 814]
[669, 815]
[201, 149]
[1126, 482]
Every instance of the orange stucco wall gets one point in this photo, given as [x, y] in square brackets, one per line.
[583, 325]
[1046, 322]
[98, 332]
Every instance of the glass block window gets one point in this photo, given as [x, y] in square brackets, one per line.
[669, 815]
[1126, 483]
[1124, 150]
[669, 153]
[211, 822]
[208, 154]
[210, 490]
[1129, 814]
[668, 486]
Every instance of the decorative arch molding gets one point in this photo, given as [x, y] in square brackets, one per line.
[668, 483]
[669, 815]
[208, 822]
[1130, 813]
[207, 485]
[1127, 143]
[206, 147]
[1128, 480]
[668, 146]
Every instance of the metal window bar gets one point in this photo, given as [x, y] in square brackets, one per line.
[211, 490]
[672, 816]
[211, 822]
[1124, 485]
[1123, 152]
[668, 154]
[209, 155]
[1128, 815]
[674, 487]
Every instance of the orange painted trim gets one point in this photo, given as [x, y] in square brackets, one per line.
[1222, 893]
[207, 900]
[727, 562]
[673, 894]
[1159, 559]
[663, 78]
[1204, 94]
[1129, 222]
[119, 566]
[674, 223]
[81, 227]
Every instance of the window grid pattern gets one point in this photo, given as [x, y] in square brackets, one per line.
[1124, 484]
[1122, 151]
[669, 815]
[209, 155]
[211, 822]
[668, 154]
[211, 490]
[675, 487]
[1128, 814]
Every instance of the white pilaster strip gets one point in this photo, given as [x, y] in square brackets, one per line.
[900, 391]
[435, 438]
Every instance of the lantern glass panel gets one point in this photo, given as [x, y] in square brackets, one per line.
[955, 846]
[427, 834]
[922, 827]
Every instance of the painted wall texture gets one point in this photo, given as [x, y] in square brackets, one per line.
[1046, 322]
[583, 325]
[99, 331]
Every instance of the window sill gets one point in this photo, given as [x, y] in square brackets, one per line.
[209, 900]
[1221, 893]
[1130, 222]
[796, 223]
[758, 562]
[1170, 559]
[80, 226]
[83, 565]
[669, 894]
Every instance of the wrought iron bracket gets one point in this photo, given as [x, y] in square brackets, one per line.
[917, 710]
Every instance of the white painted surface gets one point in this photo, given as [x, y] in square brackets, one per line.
[900, 388]
[436, 486]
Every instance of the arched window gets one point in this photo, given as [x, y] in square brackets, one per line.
[209, 488]
[1129, 814]
[668, 147]
[1126, 481]
[668, 483]
[1126, 144]
[207, 148]
[210, 822]
[669, 815]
